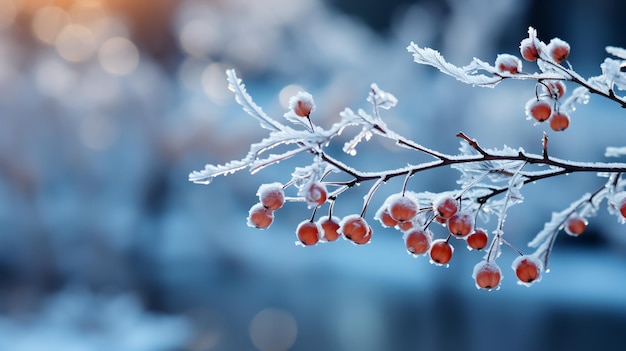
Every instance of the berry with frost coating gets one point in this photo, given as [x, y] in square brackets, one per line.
[330, 227]
[575, 225]
[354, 227]
[559, 121]
[487, 275]
[302, 104]
[445, 206]
[558, 49]
[417, 241]
[271, 196]
[308, 233]
[508, 63]
[461, 224]
[477, 240]
[441, 252]
[402, 208]
[260, 217]
[528, 50]
[539, 109]
[315, 194]
[527, 269]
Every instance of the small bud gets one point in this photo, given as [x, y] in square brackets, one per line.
[529, 50]
[302, 104]
[508, 63]
[558, 50]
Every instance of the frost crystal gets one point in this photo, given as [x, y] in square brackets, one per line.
[612, 71]
[380, 98]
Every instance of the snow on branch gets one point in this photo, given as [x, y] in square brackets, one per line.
[491, 180]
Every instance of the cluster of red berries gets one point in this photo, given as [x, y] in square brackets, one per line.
[401, 211]
[271, 198]
[545, 105]
[309, 232]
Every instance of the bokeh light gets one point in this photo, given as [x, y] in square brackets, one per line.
[76, 43]
[8, 12]
[118, 56]
[48, 22]
[273, 329]
[107, 105]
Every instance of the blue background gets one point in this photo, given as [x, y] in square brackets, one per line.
[105, 245]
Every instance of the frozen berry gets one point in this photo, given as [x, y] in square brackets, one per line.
[527, 269]
[555, 88]
[487, 275]
[575, 225]
[441, 251]
[271, 195]
[330, 227]
[354, 227]
[315, 194]
[402, 208]
[622, 207]
[559, 121]
[528, 50]
[558, 50]
[385, 218]
[508, 63]
[619, 203]
[445, 206]
[461, 224]
[417, 241]
[540, 110]
[260, 217]
[404, 226]
[308, 233]
[477, 240]
[302, 104]
[366, 239]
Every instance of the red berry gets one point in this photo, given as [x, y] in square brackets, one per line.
[260, 217]
[558, 50]
[529, 50]
[271, 195]
[308, 233]
[559, 121]
[404, 226]
[315, 194]
[366, 239]
[385, 218]
[555, 88]
[487, 275]
[302, 104]
[354, 227]
[622, 207]
[441, 251]
[445, 206]
[478, 239]
[402, 208]
[330, 227]
[527, 269]
[461, 224]
[540, 109]
[417, 241]
[575, 225]
[508, 63]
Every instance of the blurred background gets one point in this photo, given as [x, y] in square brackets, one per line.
[107, 105]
